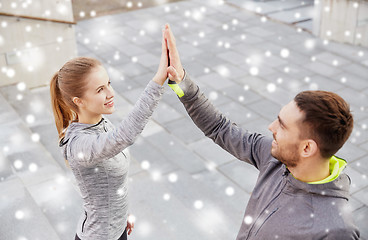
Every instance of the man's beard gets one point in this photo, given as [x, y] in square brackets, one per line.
[287, 155]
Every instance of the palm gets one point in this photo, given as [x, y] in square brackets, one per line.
[173, 54]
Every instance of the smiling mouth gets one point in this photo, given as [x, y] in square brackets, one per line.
[110, 103]
[274, 143]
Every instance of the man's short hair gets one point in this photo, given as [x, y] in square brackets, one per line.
[327, 120]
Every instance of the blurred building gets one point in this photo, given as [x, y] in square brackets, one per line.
[36, 38]
[344, 21]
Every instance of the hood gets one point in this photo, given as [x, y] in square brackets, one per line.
[75, 127]
[336, 185]
[336, 166]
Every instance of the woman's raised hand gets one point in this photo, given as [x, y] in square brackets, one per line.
[161, 74]
[175, 70]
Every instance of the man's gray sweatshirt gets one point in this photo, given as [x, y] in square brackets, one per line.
[95, 156]
[280, 207]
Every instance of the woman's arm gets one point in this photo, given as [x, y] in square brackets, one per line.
[88, 149]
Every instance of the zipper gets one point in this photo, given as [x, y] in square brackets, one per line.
[273, 211]
[84, 221]
[250, 230]
[104, 126]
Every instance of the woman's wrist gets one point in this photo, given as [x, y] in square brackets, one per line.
[158, 81]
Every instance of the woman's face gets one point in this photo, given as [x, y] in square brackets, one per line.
[99, 97]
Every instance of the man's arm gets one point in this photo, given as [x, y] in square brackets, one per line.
[252, 148]
[249, 147]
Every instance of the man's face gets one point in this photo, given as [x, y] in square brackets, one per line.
[286, 146]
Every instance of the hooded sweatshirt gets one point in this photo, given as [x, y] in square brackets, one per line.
[96, 158]
[280, 206]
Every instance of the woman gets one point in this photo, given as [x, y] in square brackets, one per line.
[80, 94]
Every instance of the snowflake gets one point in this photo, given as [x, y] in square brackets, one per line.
[156, 175]
[223, 71]
[254, 71]
[18, 164]
[21, 86]
[213, 95]
[173, 177]
[271, 87]
[30, 119]
[229, 191]
[309, 44]
[19, 214]
[198, 204]
[284, 53]
[120, 191]
[248, 220]
[35, 137]
[145, 165]
[131, 218]
[10, 72]
[166, 197]
[4, 24]
[33, 167]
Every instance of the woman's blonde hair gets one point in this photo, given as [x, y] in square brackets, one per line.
[67, 83]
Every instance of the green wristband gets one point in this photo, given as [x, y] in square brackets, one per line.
[174, 86]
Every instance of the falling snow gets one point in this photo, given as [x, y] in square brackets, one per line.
[263, 68]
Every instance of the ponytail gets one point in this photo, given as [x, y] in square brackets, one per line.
[62, 113]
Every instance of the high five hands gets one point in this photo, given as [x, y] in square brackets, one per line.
[175, 71]
[173, 68]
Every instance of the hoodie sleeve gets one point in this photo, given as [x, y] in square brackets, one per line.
[343, 234]
[249, 147]
[89, 149]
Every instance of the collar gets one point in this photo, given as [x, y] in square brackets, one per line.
[336, 166]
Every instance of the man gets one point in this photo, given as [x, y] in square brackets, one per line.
[300, 192]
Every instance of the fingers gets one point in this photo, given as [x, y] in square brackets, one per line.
[173, 74]
[163, 43]
[170, 39]
[170, 35]
[161, 74]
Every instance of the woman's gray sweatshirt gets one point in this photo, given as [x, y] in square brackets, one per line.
[95, 156]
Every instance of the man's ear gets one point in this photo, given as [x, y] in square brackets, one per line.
[77, 101]
[310, 148]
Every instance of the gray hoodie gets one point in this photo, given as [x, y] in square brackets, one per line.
[100, 167]
[280, 207]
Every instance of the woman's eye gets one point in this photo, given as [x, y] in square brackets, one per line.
[99, 90]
